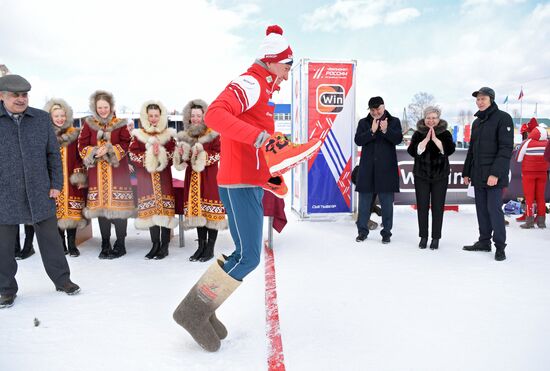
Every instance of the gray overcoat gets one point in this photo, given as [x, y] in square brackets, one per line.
[30, 165]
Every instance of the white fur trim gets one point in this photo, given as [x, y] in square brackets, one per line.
[194, 222]
[198, 161]
[156, 220]
[146, 125]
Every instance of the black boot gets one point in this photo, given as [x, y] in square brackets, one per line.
[423, 242]
[106, 250]
[62, 234]
[200, 250]
[28, 249]
[499, 254]
[119, 248]
[208, 252]
[165, 237]
[435, 244]
[155, 239]
[478, 246]
[71, 242]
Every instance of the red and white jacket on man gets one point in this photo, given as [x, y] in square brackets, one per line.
[240, 113]
[531, 151]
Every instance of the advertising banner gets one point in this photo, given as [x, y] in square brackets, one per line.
[330, 117]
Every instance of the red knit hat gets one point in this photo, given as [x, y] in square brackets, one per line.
[274, 47]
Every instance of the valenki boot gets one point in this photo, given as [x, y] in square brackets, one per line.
[541, 221]
[529, 223]
[196, 309]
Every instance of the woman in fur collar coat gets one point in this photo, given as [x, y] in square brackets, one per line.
[71, 201]
[151, 152]
[431, 145]
[103, 144]
[199, 152]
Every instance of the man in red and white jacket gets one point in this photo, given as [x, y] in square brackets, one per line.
[251, 153]
[534, 176]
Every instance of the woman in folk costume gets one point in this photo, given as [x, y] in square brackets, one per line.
[103, 144]
[71, 201]
[151, 152]
[199, 152]
[534, 174]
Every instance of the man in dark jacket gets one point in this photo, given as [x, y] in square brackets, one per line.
[486, 167]
[378, 134]
[31, 178]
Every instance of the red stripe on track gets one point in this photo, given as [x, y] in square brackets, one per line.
[275, 357]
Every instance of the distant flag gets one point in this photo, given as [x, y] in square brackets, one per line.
[505, 100]
[536, 105]
[520, 94]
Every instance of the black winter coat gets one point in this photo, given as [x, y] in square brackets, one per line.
[491, 146]
[30, 165]
[378, 164]
[431, 165]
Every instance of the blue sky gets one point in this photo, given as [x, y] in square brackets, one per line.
[176, 52]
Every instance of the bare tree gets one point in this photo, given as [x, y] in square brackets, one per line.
[4, 70]
[420, 101]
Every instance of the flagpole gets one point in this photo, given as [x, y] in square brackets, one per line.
[521, 106]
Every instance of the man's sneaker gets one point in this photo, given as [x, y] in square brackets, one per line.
[7, 301]
[69, 288]
[478, 246]
[386, 239]
[360, 237]
[277, 186]
[282, 155]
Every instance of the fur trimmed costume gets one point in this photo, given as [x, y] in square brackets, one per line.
[109, 192]
[201, 153]
[71, 200]
[156, 201]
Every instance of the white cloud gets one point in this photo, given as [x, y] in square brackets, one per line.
[351, 14]
[490, 54]
[469, 6]
[173, 51]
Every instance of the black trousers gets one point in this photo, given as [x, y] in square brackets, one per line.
[427, 193]
[51, 251]
[490, 216]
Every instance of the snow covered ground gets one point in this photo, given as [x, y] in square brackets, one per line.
[343, 305]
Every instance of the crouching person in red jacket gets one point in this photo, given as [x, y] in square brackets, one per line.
[534, 175]
[251, 153]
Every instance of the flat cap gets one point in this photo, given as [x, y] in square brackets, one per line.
[14, 84]
[375, 102]
[485, 91]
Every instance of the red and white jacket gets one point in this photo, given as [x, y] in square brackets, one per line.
[240, 113]
[531, 151]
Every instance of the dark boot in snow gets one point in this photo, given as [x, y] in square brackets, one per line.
[155, 239]
[119, 248]
[71, 242]
[28, 248]
[106, 250]
[478, 246]
[165, 243]
[499, 254]
[423, 242]
[208, 252]
[198, 306]
[200, 250]
[434, 245]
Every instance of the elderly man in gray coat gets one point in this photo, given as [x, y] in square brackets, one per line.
[31, 178]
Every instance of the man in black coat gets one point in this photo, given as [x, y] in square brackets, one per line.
[486, 167]
[31, 178]
[378, 134]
